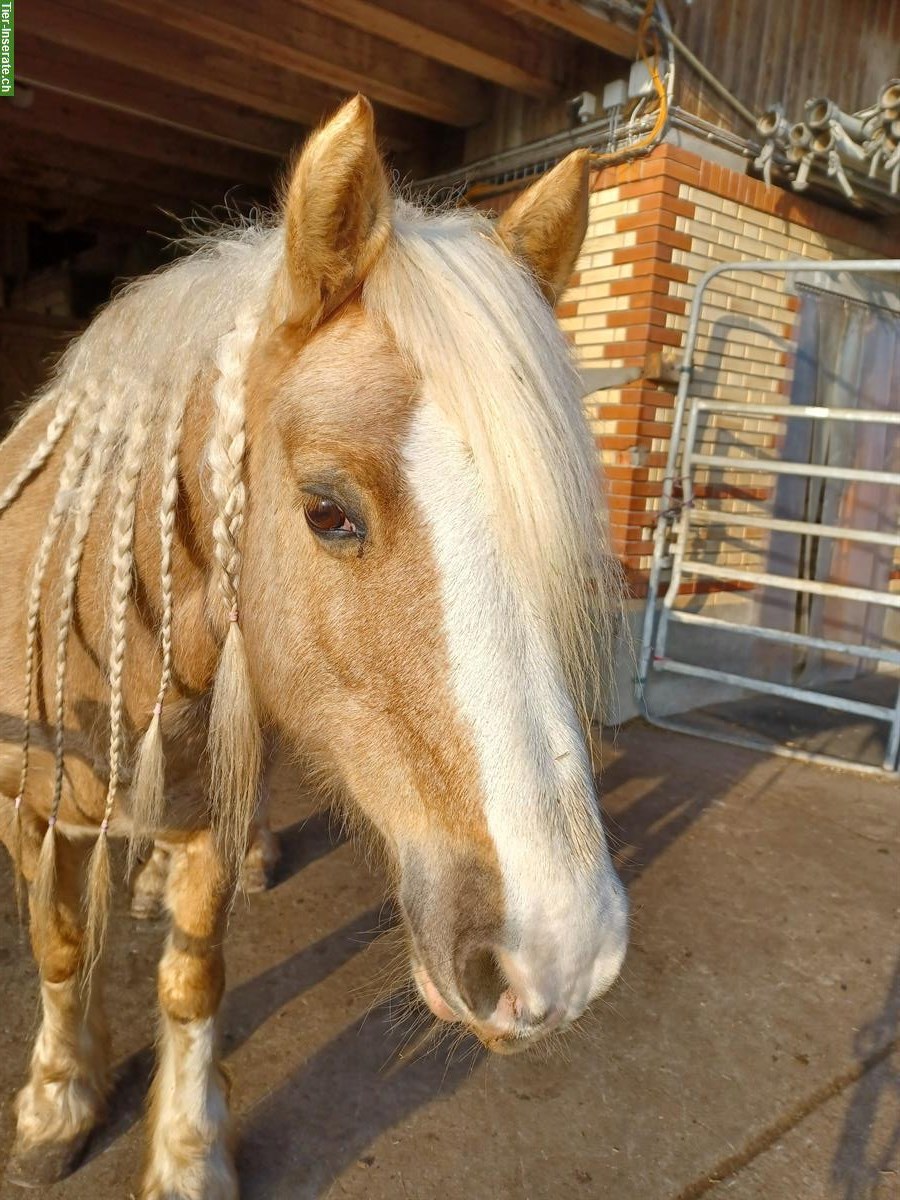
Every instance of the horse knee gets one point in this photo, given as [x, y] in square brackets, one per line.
[191, 979]
[192, 969]
[57, 928]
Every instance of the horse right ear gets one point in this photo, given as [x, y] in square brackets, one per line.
[337, 213]
[546, 224]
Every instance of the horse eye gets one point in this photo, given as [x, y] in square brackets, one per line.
[325, 516]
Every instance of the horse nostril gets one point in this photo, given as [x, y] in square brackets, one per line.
[481, 982]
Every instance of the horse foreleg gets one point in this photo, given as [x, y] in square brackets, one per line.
[69, 1075]
[190, 1153]
[148, 892]
[262, 856]
[149, 887]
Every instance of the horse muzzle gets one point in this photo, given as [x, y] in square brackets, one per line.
[509, 1002]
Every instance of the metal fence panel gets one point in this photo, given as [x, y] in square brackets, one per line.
[792, 507]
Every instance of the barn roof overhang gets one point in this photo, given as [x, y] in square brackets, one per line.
[129, 109]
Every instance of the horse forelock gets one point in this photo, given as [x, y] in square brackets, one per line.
[492, 359]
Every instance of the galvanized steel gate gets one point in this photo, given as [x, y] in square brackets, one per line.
[682, 515]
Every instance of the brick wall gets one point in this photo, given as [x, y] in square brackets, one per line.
[655, 226]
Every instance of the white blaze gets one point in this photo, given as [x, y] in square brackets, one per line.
[565, 910]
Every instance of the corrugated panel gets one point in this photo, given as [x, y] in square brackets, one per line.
[787, 50]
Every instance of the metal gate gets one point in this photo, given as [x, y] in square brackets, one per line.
[811, 606]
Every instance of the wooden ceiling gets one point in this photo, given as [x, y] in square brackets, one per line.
[126, 109]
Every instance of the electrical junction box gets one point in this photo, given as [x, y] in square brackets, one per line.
[615, 94]
[639, 81]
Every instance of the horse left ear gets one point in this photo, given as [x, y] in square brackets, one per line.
[546, 225]
[337, 213]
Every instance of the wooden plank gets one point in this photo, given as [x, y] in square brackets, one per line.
[461, 33]
[582, 23]
[282, 34]
[58, 201]
[158, 184]
[99, 28]
[136, 93]
[118, 133]
[20, 318]
[802, 49]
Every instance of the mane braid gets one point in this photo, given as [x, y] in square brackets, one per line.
[148, 783]
[70, 477]
[103, 431]
[235, 740]
[58, 425]
[122, 553]
[71, 470]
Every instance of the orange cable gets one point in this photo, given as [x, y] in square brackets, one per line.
[650, 60]
[663, 110]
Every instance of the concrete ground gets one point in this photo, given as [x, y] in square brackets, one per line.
[750, 1049]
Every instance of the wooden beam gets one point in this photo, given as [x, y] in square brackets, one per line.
[100, 28]
[20, 318]
[140, 94]
[183, 190]
[466, 34]
[118, 133]
[64, 208]
[281, 34]
[56, 197]
[579, 21]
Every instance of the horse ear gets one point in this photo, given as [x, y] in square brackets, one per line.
[546, 225]
[337, 212]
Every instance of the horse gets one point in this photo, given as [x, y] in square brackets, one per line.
[325, 480]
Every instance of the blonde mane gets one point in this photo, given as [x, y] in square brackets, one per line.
[476, 332]
[491, 355]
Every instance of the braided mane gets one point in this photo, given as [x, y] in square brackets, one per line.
[119, 393]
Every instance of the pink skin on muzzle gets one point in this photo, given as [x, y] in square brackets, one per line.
[432, 996]
[504, 1022]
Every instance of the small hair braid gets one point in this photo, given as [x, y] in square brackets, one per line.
[59, 423]
[235, 749]
[226, 456]
[99, 436]
[148, 783]
[73, 466]
[122, 555]
[104, 434]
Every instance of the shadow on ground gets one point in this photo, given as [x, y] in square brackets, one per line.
[738, 897]
[863, 1164]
